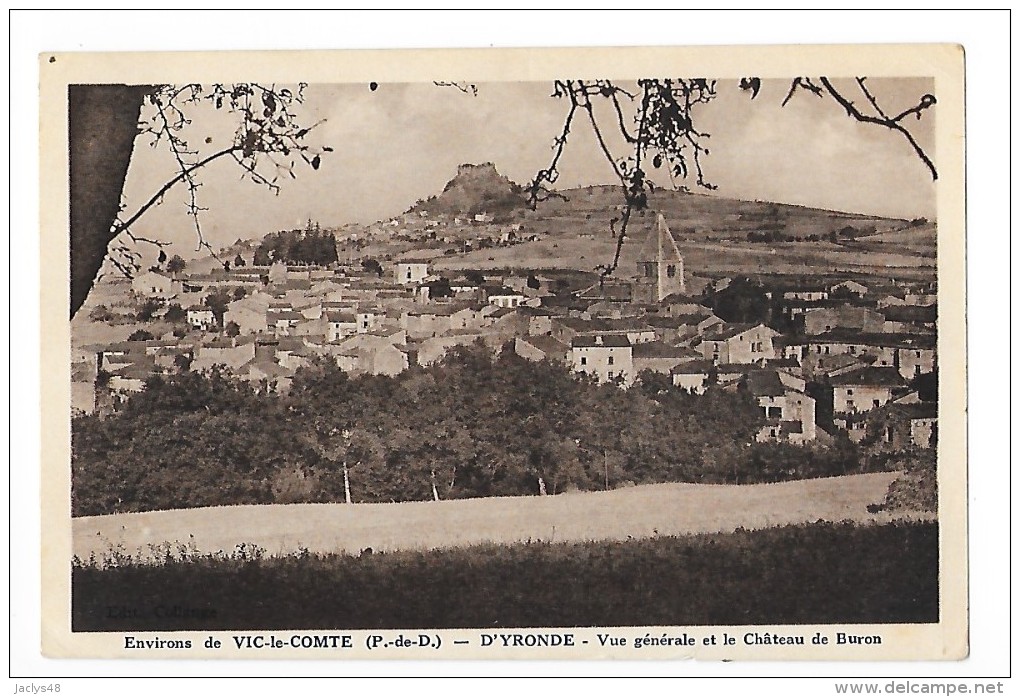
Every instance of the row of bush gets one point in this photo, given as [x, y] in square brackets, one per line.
[807, 574]
[472, 425]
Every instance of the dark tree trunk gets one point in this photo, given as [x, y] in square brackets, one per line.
[102, 125]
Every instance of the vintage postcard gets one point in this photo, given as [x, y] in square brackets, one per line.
[505, 354]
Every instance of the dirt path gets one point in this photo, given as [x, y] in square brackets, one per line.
[642, 511]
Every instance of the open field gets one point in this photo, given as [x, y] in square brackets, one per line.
[704, 258]
[635, 512]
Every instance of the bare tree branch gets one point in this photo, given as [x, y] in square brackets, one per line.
[890, 123]
[465, 87]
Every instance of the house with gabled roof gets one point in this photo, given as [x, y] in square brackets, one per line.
[608, 357]
[864, 389]
[739, 343]
[692, 376]
[228, 352]
[660, 357]
[410, 271]
[860, 391]
[819, 320]
[541, 347]
[848, 287]
[898, 426]
[910, 319]
[249, 313]
[201, 317]
[284, 322]
[911, 354]
[680, 304]
[153, 284]
[340, 325]
[789, 413]
[501, 296]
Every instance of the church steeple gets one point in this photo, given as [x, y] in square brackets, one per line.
[660, 266]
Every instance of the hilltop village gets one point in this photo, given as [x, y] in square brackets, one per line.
[822, 357]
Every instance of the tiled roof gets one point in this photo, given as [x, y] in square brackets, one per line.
[874, 376]
[729, 331]
[920, 410]
[765, 383]
[659, 349]
[600, 340]
[547, 344]
[886, 339]
[692, 368]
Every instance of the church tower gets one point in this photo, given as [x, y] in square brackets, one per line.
[660, 267]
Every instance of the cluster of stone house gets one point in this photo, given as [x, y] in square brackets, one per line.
[848, 363]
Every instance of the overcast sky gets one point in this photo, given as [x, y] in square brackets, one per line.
[402, 142]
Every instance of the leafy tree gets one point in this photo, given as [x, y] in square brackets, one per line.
[217, 301]
[440, 288]
[141, 335]
[175, 314]
[238, 261]
[741, 301]
[475, 276]
[148, 309]
[232, 329]
[182, 362]
[101, 313]
[372, 266]
[268, 139]
[310, 246]
[176, 264]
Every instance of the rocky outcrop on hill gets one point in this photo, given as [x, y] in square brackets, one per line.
[476, 189]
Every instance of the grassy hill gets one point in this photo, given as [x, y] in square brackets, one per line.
[712, 232]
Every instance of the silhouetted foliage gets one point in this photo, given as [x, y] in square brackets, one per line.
[176, 264]
[175, 313]
[742, 300]
[471, 425]
[824, 573]
[297, 247]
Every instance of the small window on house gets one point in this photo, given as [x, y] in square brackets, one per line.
[671, 271]
[918, 354]
[775, 412]
[850, 404]
[584, 360]
[849, 392]
[610, 375]
[853, 349]
[610, 361]
[875, 403]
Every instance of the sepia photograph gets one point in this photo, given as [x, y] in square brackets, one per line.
[514, 365]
